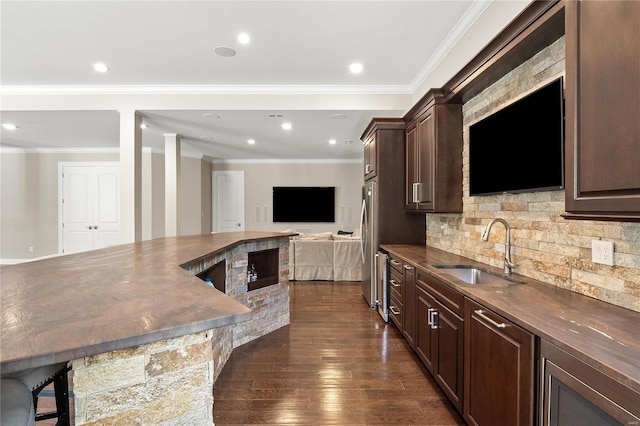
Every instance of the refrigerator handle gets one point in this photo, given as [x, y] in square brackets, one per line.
[363, 229]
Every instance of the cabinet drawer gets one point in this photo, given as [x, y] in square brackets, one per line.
[395, 281]
[395, 264]
[446, 295]
[395, 311]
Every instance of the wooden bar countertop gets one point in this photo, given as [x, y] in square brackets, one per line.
[77, 305]
[604, 336]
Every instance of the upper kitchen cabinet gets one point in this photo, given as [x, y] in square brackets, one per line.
[602, 147]
[434, 155]
[381, 146]
[370, 157]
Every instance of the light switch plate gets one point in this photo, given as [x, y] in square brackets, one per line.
[602, 252]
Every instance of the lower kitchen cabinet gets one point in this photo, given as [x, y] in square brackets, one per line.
[440, 344]
[499, 370]
[396, 292]
[575, 394]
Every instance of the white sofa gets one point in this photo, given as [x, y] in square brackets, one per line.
[325, 257]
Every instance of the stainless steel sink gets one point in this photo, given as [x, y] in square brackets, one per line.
[475, 276]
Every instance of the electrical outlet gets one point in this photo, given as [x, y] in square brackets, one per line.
[30, 249]
[602, 252]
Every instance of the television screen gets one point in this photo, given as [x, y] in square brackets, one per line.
[304, 204]
[520, 148]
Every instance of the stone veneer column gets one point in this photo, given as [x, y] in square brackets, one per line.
[169, 382]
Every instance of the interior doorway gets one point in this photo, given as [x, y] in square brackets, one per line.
[228, 201]
[89, 206]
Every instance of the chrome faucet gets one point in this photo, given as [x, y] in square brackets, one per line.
[508, 265]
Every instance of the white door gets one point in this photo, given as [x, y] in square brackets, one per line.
[90, 211]
[228, 201]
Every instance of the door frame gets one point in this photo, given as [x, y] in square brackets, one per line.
[61, 166]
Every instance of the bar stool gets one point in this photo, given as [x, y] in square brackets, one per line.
[37, 379]
[16, 407]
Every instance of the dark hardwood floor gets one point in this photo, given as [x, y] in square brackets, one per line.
[336, 363]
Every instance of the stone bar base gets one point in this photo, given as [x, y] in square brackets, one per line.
[270, 305]
[168, 382]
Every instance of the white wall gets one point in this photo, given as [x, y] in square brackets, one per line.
[261, 177]
[29, 199]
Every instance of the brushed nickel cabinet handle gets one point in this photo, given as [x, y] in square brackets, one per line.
[481, 314]
[394, 283]
[393, 310]
[395, 262]
[408, 267]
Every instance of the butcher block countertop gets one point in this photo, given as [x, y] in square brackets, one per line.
[77, 305]
[604, 336]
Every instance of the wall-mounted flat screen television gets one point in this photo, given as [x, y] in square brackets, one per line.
[304, 204]
[520, 148]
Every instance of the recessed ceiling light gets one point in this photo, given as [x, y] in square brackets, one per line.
[212, 116]
[339, 116]
[332, 141]
[100, 67]
[9, 126]
[244, 38]
[356, 68]
[251, 141]
[143, 126]
[287, 126]
[227, 52]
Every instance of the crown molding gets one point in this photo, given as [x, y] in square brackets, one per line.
[286, 161]
[472, 14]
[207, 90]
[85, 150]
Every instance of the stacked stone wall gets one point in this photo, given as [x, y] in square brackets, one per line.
[546, 247]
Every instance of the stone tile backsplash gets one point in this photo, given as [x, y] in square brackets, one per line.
[545, 246]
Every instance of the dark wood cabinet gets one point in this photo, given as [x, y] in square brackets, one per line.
[370, 157]
[396, 292]
[499, 370]
[439, 340]
[384, 152]
[602, 146]
[574, 393]
[434, 156]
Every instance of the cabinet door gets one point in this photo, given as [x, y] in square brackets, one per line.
[426, 140]
[439, 343]
[499, 370]
[426, 342]
[370, 158]
[396, 287]
[602, 147]
[409, 304]
[411, 165]
[449, 371]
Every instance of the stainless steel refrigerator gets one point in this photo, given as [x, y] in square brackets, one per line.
[369, 241]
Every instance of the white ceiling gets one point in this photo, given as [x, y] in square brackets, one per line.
[162, 64]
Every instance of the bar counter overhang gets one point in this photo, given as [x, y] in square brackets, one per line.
[79, 305]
